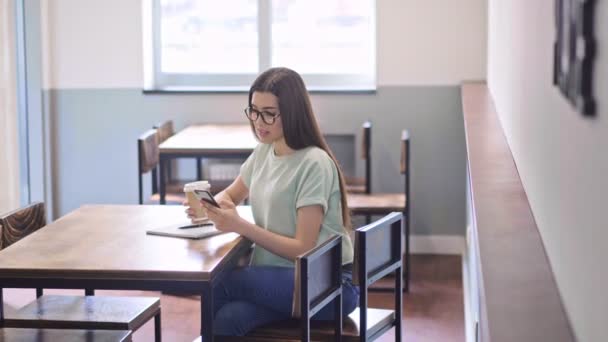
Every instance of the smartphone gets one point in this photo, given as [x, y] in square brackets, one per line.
[206, 196]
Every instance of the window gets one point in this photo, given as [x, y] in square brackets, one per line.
[223, 45]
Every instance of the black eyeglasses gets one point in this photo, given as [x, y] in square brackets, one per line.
[253, 114]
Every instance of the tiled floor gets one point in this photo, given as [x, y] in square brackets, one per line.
[433, 310]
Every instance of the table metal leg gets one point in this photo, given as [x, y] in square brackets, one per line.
[199, 168]
[1, 309]
[157, 328]
[207, 313]
[162, 186]
[407, 264]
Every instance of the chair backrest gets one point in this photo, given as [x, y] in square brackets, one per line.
[343, 146]
[19, 223]
[318, 282]
[165, 130]
[147, 158]
[147, 145]
[378, 252]
[318, 273]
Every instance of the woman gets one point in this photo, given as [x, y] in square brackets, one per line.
[297, 195]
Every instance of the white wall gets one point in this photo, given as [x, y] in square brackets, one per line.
[97, 44]
[561, 155]
[430, 42]
[9, 161]
[93, 44]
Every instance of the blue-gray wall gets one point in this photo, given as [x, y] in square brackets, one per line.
[94, 133]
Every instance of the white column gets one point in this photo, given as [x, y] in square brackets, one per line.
[9, 158]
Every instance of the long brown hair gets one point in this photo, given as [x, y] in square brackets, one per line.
[300, 127]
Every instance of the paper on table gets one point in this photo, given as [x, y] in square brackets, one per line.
[174, 230]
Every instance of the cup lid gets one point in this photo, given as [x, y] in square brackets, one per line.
[199, 185]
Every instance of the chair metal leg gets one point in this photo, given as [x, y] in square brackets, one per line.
[89, 292]
[1, 308]
[162, 190]
[141, 191]
[170, 171]
[157, 327]
[398, 304]
[338, 318]
[406, 286]
[39, 292]
[154, 180]
[199, 169]
[306, 328]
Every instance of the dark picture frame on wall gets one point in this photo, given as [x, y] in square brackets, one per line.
[574, 51]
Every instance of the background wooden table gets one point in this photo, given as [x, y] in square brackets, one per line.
[205, 141]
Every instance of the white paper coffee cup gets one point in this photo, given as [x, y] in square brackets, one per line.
[200, 212]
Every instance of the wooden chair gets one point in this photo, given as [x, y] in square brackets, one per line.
[369, 204]
[71, 312]
[173, 185]
[318, 283]
[63, 335]
[165, 131]
[383, 237]
[148, 159]
[343, 147]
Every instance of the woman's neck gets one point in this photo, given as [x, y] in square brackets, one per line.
[281, 148]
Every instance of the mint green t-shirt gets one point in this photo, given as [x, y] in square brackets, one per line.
[279, 185]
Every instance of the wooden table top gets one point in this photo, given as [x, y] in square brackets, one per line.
[110, 242]
[211, 139]
[379, 203]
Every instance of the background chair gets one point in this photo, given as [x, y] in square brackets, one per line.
[369, 204]
[148, 159]
[165, 131]
[344, 148]
[174, 186]
[71, 312]
[383, 237]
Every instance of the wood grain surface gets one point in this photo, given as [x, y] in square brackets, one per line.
[110, 241]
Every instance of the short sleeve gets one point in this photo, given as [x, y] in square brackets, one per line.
[247, 168]
[316, 184]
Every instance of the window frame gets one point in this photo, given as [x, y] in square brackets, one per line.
[157, 81]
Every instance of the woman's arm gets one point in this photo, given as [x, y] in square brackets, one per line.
[308, 226]
[234, 193]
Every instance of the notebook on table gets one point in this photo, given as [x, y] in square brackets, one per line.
[186, 230]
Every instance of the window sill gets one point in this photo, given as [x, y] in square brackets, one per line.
[241, 90]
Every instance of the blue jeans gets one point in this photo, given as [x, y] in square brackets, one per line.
[252, 296]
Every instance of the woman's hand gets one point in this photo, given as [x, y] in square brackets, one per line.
[226, 218]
